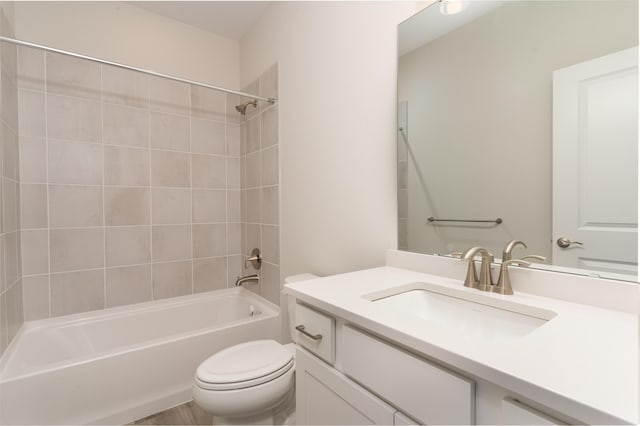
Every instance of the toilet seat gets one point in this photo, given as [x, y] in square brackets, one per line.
[245, 365]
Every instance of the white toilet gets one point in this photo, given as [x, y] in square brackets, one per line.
[252, 382]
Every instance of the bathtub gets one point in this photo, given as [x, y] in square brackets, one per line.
[118, 365]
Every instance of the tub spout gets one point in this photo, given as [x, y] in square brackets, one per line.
[248, 278]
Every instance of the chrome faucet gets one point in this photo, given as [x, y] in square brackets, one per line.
[504, 281]
[248, 278]
[506, 253]
[484, 282]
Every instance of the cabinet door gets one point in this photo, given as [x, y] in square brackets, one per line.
[516, 413]
[325, 396]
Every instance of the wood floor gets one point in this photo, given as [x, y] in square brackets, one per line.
[185, 414]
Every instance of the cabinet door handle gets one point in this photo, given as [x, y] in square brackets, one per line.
[302, 330]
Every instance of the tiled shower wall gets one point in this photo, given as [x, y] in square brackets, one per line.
[261, 185]
[131, 186]
[11, 312]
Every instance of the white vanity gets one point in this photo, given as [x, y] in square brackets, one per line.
[398, 345]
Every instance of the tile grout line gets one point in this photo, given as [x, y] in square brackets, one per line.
[193, 265]
[150, 174]
[46, 150]
[104, 215]
[226, 198]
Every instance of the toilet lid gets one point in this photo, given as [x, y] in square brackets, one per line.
[246, 362]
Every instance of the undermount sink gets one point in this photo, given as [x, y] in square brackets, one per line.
[471, 314]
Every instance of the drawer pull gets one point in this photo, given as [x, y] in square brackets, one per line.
[301, 329]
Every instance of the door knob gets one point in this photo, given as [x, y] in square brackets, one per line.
[566, 243]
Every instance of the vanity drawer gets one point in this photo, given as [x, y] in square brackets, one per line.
[316, 332]
[429, 393]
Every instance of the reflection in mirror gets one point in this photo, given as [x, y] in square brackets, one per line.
[524, 111]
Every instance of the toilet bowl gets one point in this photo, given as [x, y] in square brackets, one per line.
[252, 382]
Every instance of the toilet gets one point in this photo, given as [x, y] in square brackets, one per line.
[252, 382]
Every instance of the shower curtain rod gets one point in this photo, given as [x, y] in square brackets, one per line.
[116, 64]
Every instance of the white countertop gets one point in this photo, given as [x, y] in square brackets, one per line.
[583, 362]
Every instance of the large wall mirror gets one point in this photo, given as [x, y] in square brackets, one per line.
[518, 120]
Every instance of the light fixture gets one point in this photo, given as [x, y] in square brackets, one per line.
[451, 7]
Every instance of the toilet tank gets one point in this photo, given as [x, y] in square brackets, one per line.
[291, 301]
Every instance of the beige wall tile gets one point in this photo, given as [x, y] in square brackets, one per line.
[127, 206]
[10, 202]
[208, 103]
[75, 206]
[233, 173]
[128, 245]
[35, 252]
[209, 240]
[234, 140]
[30, 68]
[253, 135]
[234, 238]
[253, 238]
[74, 163]
[234, 269]
[10, 249]
[31, 113]
[124, 125]
[33, 160]
[171, 279]
[71, 76]
[170, 169]
[270, 205]
[33, 209]
[271, 283]
[75, 292]
[169, 96]
[207, 137]
[36, 297]
[75, 249]
[208, 171]
[74, 119]
[269, 129]
[169, 131]
[14, 309]
[131, 284]
[271, 244]
[10, 154]
[9, 100]
[233, 206]
[171, 242]
[125, 87]
[209, 274]
[253, 170]
[209, 206]
[171, 206]
[126, 166]
[269, 166]
[253, 205]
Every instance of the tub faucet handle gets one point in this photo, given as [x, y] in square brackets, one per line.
[255, 259]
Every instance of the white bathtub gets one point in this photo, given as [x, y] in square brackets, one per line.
[118, 365]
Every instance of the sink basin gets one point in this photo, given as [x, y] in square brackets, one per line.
[472, 315]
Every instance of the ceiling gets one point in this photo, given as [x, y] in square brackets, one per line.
[230, 19]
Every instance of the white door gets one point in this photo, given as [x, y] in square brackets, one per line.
[595, 164]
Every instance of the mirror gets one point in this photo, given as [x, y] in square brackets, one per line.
[526, 112]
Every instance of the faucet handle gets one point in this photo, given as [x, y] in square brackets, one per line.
[504, 281]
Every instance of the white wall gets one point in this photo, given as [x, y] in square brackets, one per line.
[124, 33]
[337, 102]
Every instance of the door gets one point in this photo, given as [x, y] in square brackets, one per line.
[595, 164]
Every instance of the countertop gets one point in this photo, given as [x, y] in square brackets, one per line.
[583, 362]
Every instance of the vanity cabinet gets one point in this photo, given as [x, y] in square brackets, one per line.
[349, 376]
[369, 381]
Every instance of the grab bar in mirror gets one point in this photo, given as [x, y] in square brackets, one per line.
[497, 221]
